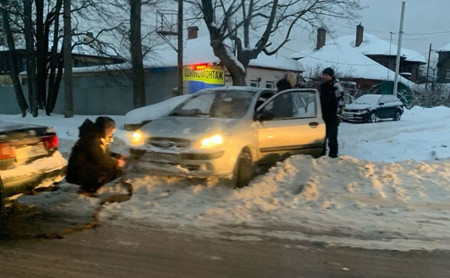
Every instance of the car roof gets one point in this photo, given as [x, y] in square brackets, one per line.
[374, 96]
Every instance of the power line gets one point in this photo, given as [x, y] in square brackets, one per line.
[395, 33]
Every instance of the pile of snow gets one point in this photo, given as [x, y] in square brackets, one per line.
[345, 201]
[387, 190]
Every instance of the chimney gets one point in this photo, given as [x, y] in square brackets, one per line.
[359, 35]
[321, 34]
[192, 32]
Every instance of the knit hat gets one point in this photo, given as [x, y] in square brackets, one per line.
[328, 71]
[283, 84]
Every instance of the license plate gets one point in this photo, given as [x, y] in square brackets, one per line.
[167, 157]
[24, 153]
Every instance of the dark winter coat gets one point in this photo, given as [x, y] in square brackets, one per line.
[283, 105]
[90, 163]
[331, 99]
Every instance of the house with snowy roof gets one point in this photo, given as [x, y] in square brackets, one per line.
[112, 84]
[364, 59]
[443, 65]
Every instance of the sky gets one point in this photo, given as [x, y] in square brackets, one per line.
[425, 23]
[387, 190]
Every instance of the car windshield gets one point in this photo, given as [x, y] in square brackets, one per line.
[368, 99]
[216, 104]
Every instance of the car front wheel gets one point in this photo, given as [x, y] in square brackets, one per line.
[243, 171]
[397, 116]
[373, 118]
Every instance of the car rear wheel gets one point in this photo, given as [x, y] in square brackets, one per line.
[373, 118]
[243, 171]
[397, 116]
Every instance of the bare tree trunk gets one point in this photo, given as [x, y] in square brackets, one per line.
[225, 55]
[13, 59]
[136, 53]
[41, 55]
[237, 70]
[68, 93]
[31, 56]
[53, 83]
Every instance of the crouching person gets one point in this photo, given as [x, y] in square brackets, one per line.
[91, 164]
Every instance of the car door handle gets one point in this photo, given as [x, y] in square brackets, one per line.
[313, 124]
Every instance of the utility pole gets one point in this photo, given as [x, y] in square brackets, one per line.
[399, 48]
[180, 48]
[428, 68]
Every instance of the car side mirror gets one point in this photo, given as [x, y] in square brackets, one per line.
[264, 116]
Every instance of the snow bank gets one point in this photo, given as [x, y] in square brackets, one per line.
[343, 201]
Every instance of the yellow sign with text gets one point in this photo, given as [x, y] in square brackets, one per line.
[204, 73]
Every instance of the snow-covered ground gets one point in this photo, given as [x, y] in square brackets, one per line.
[388, 190]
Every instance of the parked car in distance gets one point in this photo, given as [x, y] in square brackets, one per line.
[371, 107]
[29, 160]
[227, 131]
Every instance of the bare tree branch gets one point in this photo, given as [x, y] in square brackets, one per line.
[261, 20]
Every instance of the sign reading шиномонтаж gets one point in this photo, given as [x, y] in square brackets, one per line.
[206, 74]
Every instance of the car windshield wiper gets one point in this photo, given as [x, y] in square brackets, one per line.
[177, 114]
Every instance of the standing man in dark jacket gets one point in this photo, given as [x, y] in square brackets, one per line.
[91, 164]
[331, 98]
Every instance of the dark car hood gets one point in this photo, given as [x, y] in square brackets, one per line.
[6, 127]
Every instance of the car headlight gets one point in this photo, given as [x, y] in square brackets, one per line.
[211, 141]
[137, 138]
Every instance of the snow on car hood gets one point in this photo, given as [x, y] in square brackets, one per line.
[154, 111]
[358, 106]
[187, 127]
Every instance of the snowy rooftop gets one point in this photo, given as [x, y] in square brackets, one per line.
[352, 61]
[198, 51]
[444, 48]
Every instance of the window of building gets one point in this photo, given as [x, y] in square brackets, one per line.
[254, 83]
[270, 85]
[447, 74]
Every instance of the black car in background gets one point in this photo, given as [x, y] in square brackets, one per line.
[371, 107]
[29, 160]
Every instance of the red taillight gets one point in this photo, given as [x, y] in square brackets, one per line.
[6, 151]
[50, 142]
